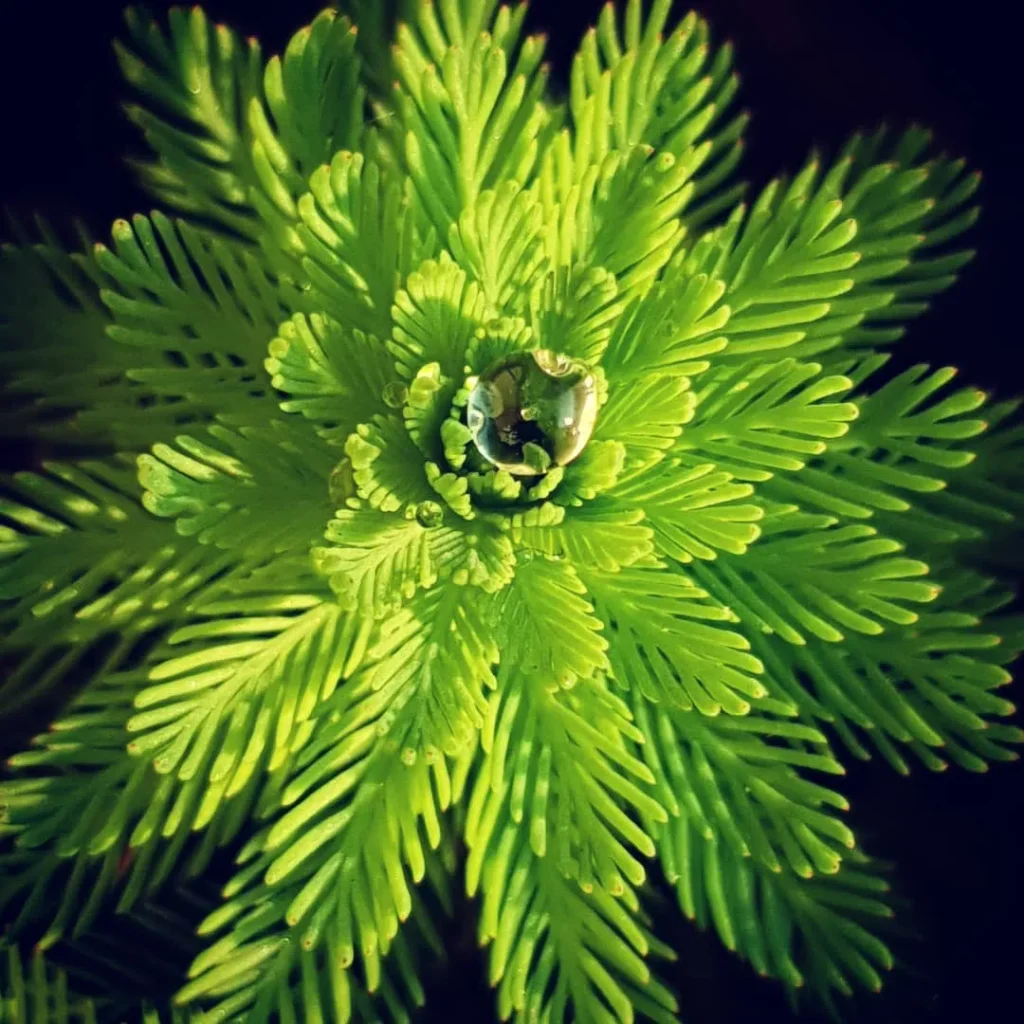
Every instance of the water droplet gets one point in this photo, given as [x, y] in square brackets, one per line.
[342, 483]
[533, 410]
[429, 514]
[395, 394]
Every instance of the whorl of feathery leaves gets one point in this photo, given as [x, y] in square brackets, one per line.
[310, 625]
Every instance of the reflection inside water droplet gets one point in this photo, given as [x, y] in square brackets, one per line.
[532, 410]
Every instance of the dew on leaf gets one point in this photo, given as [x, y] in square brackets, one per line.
[341, 484]
[429, 514]
[533, 410]
[395, 394]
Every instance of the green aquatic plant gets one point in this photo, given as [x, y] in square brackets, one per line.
[465, 481]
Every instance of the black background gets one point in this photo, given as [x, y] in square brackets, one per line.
[812, 73]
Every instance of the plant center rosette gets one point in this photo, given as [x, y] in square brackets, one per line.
[486, 446]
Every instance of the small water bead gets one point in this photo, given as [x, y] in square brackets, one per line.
[341, 484]
[532, 410]
[429, 514]
[395, 394]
